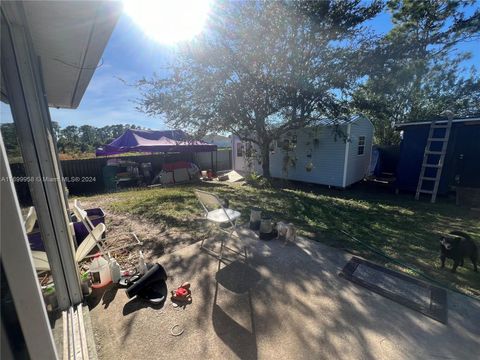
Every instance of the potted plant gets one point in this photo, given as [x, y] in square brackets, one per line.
[50, 297]
[85, 282]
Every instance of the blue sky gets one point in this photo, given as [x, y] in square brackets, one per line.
[131, 55]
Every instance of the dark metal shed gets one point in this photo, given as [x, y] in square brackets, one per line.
[462, 161]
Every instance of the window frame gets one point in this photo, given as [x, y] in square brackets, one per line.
[240, 149]
[362, 140]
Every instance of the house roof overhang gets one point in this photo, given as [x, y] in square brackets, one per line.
[69, 37]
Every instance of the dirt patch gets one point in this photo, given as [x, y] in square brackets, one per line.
[157, 239]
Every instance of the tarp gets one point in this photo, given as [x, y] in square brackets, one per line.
[154, 141]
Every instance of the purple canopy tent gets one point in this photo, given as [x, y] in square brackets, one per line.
[154, 141]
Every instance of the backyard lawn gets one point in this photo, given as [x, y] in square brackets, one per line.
[405, 230]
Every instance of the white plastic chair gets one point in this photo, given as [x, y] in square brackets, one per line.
[30, 220]
[93, 239]
[97, 235]
[40, 259]
[216, 213]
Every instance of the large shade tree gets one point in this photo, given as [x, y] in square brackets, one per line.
[262, 69]
[417, 70]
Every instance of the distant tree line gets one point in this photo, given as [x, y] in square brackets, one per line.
[70, 139]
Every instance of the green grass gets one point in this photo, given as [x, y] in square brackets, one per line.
[398, 226]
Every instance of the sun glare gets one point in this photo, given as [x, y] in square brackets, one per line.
[169, 21]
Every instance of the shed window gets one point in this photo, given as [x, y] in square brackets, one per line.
[361, 145]
[239, 149]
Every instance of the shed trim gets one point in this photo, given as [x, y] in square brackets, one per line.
[402, 125]
[345, 160]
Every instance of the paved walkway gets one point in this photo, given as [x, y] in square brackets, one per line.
[288, 303]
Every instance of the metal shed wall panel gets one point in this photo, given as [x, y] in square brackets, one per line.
[462, 161]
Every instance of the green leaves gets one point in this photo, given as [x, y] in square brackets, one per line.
[262, 69]
[417, 72]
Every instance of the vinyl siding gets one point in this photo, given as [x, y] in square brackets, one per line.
[327, 158]
[357, 165]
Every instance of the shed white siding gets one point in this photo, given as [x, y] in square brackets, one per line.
[241, 163]
[357, 165]
[327, 157]
[336, 162]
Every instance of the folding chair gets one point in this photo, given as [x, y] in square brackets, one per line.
[102, 242]
[40, 259]
[216, 213]
[30, 220]
[93, 239]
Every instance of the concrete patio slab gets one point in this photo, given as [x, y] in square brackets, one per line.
[285, 302]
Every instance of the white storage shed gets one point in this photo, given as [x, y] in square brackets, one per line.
[319, 155]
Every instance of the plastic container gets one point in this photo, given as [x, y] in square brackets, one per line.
[50, 298]
[266, 225]
[267, 231]
[85, 283]
[142, 266]
[115, 271]
[100, 272]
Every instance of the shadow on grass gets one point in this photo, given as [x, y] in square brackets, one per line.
[404, 229]
[398, 226]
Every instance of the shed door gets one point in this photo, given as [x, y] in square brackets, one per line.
[467, 156]
[239, 156]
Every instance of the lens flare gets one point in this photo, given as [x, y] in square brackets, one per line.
[169, 21]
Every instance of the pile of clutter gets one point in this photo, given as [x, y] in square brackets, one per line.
[146, 281]
[268, 229]
[177, 172]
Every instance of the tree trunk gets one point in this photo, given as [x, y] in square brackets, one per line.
[265, 151]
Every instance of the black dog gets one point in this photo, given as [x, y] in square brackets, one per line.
[457, 247]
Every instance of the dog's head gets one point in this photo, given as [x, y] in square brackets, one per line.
[445, 243]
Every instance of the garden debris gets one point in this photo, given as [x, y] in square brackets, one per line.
[182, 294]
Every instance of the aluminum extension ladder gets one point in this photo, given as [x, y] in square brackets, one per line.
[434, 159]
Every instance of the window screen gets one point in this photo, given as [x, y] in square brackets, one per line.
[361, 145]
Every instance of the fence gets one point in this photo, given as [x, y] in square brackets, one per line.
[85, 175]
